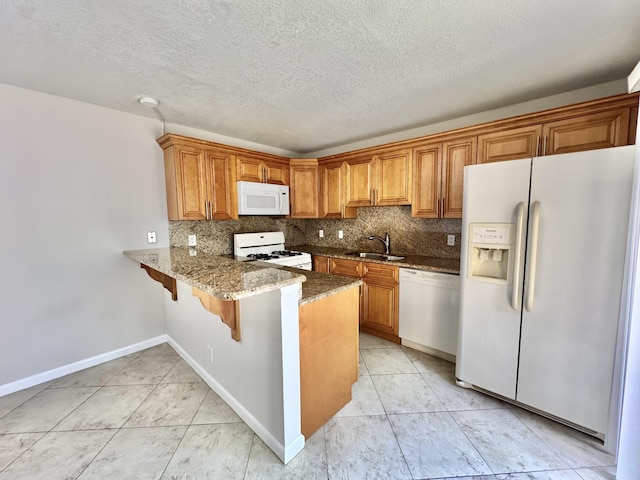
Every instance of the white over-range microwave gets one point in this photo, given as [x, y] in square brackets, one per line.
[262, 199]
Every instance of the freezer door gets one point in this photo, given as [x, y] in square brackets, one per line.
[489, 328]
[573, 282]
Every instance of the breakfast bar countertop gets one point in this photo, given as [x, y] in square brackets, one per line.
[216, 275]
[223, 277]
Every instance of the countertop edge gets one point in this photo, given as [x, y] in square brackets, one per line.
[329, 293]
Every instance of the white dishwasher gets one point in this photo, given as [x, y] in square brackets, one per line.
[429, 306]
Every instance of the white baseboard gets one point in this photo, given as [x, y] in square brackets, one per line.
[284, 453]
[58, 372]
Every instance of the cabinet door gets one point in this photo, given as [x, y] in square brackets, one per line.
[358, 183]
[221, 185]
[347, 268]
[320, 264]
[456, 155]
[588, 132]
[276, 173]
[427, 164]
[331, 187]
[304, 191]
[191, 184]
[393, 178]
[380, 307]
[249, 169]
[509, 144]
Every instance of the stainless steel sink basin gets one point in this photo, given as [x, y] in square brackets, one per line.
[376, 256]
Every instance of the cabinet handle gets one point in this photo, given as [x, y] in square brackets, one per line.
[544, 146]
[537, 154]
[208, 205]
[442, 208]
[437, 207]
[264, 174]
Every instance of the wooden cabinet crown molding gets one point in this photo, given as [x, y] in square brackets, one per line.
[544, 116]
[169, 139]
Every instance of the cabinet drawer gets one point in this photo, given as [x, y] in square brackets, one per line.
[379, 273]
[347, 268]
[320, 264]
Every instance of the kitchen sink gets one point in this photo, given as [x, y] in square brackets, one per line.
[376, 256]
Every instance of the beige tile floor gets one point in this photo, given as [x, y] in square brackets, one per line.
[149, 416]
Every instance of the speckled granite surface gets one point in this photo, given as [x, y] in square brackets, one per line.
[218, 276]
[433, 264]
[409, 236]
[229, 279]
[320, 285]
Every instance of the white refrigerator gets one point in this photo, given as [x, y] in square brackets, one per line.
[543, 251]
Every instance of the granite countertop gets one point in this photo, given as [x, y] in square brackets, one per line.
[223, 277]
[214, 274]
[321, 285]
[433, 264]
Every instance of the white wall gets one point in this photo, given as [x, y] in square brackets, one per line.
[258, 376]
[78, 185]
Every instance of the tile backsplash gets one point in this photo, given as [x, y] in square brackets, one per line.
[409, 236]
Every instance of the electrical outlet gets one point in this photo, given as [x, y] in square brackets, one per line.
[210, 353]
[151, 237]
[451, 240]
[192, 240]
[321, 233]
[340, 234]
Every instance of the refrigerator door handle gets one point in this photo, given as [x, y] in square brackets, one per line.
[517, 261]
[533, 259]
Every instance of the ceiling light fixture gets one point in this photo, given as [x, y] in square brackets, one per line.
[153, 104]
[149, 102]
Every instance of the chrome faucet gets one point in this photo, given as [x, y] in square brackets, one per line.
[386, 241]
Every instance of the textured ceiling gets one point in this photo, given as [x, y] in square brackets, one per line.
[305, 75]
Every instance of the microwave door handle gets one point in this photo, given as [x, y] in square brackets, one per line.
[278, 201]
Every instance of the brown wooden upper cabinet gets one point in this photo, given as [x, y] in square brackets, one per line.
[588, 131]
[200, 180]
[379, 180]
[392, 175]
[262, 170]
[358, 182]
[304, 188]
[332, 191]
[438, 172]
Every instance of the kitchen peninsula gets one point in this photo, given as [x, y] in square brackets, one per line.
[268, 356]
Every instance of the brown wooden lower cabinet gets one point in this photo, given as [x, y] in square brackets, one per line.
[380, 310]
[379, 294]
[328, 357]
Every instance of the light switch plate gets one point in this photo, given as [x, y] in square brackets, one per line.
[340, 234]
[192, 240]
[451, 240]
[321, 233]
[151, 237]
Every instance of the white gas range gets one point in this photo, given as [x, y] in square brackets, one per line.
[268, 247]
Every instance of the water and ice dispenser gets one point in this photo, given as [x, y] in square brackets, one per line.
[490, 252]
